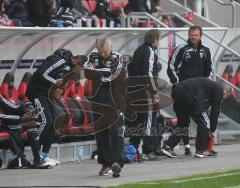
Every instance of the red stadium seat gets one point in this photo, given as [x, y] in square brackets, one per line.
[76, 92]
[228, 73]
[236, 78]
[90, 5]
[8, 90]
[118, 3]
[144, 24]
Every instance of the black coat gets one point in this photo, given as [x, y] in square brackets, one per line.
[54, 67]
[196, 95]
[188, 62]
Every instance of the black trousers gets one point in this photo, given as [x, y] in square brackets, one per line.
[16, 143]
[110, 141]
[138, 132]
[46, 129]
[181, 131]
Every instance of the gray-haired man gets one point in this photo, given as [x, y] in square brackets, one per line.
[110, 144]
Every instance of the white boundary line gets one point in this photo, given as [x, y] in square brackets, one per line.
[204, 178]
[196, 179]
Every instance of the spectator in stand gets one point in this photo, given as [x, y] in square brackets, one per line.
[40, 12]
[4, 20]
[102, 11]
[167, 21]
[79, 11]
[150, 6]
[117, 15]
[16, 11]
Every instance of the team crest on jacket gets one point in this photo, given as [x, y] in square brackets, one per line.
[201, 55]
[108, 64]
[95, 62]
[188, 55]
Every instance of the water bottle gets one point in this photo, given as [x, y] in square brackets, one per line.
[80, 154]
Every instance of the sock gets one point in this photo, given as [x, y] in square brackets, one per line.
[44, 155]
[187, 146]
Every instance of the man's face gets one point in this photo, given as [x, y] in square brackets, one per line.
[194, 37]
[105, 50]
[156, 43]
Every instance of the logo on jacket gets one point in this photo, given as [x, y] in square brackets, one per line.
[201, 55]
[95, 62]
[188, 56]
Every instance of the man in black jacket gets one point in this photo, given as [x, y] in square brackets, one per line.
[190, 61]
[14, 121]
[145, 63]
[192, 98]
[43, 85]
[108, 63]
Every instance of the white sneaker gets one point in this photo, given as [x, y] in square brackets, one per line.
[50, 161]
[55, 161]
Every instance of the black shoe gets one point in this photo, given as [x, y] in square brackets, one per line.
[19, 162]
[151, 156]
[187, 152]
[203, 154]
[26, 163]
[116, 169]
[213, 153]
[1, 162]
[168, 152]
[105, 171]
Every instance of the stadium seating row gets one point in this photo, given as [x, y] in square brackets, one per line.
[77, 121]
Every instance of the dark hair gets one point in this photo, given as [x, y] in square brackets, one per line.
[195, 27]
[151, 35]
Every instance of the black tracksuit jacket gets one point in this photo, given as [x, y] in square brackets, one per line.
[7, 108]
[189, 62]
[53, 68]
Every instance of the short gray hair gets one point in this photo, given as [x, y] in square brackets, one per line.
[101, 41]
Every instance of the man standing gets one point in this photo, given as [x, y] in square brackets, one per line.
[192, 98]
[145, 63]
[45, 81]
[190, 61]
[110, 142]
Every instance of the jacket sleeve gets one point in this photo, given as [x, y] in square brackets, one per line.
[47, 71]
[148, 66]
[207, 64]
[114, 70]
[10, 119]
[8, 107]
[215, 110]
[109, 73]
[173, 63]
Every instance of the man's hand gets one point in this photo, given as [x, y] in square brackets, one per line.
[156, 98]
[59, 83]
[27, 117]
[57, 93]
